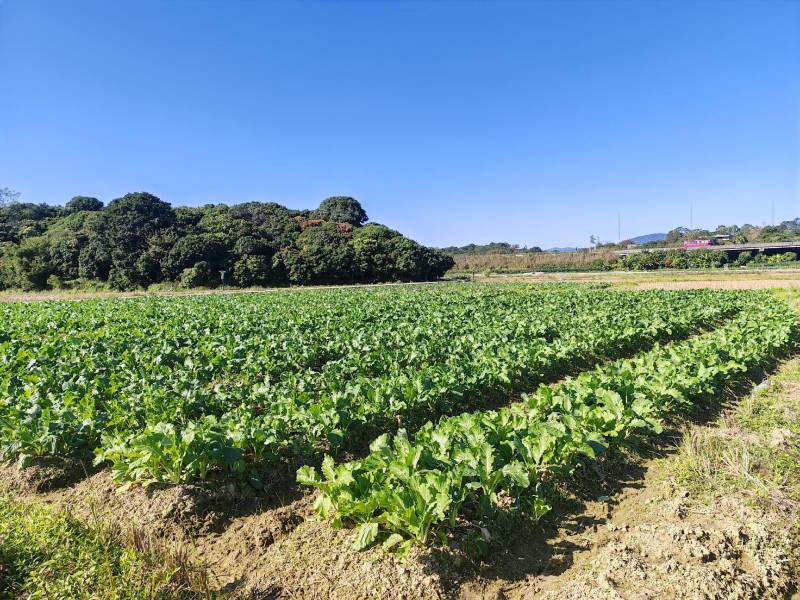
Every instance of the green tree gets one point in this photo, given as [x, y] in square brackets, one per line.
[138, 240]
[19, 220]
[250, 244]
[319, 255]
[33, 265]
[274, 224]
[7, 266]
[8, 196]
[129, 223]
[65, 248]
[373, 260]
[341, 209]
[191, 249]
[218, 219]
[199, 275]
[79, 203]
[94, 260]
[251, 269]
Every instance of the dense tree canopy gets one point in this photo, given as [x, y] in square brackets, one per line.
[139, 240]
[490, 248]
[341, 209]
[79, 203]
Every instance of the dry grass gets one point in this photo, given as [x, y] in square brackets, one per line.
[752, 450]
[531, 261]
[176, 557]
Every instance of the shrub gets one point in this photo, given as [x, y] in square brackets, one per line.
[54, 282]
[197, 276]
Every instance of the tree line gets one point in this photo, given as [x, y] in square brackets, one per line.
[139, 240]
[490, 248]
[700, 259]
[786, 231]
[605, 260]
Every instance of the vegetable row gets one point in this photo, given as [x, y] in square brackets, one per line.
[178, 389]
[457, 472]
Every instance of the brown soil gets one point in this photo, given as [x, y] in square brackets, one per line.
[45, 474]
[655, 544]
[723, 552]
[644, 540]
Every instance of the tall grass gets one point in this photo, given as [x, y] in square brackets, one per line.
[534, 261]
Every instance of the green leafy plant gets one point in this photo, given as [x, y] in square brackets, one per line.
[174, 390]
[458, 469]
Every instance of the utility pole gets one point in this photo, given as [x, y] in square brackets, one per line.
[222, 279]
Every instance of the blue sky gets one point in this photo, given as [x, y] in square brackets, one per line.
[454, 122]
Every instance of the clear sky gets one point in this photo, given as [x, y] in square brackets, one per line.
[454, 122]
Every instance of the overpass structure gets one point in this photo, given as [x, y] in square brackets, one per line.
[771, 247]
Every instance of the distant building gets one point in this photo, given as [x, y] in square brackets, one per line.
[697, 243]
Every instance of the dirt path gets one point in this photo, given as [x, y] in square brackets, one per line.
[779, 278]
[745, 284]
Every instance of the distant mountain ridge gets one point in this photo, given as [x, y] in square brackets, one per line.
[650, 237]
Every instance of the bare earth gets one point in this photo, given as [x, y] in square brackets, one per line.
[779, 278]
[745, 284]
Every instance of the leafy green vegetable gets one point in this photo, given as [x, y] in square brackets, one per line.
[461, 468]
[365, 536]
[173, 390]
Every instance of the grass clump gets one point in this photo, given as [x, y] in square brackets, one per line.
[753, 449]
[48, 554]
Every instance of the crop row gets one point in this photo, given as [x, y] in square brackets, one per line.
[175, 389]
[462, 468]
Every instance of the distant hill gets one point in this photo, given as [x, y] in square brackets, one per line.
[562, 249]
[650, 237]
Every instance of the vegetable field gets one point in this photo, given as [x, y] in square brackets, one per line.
[416, 412]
